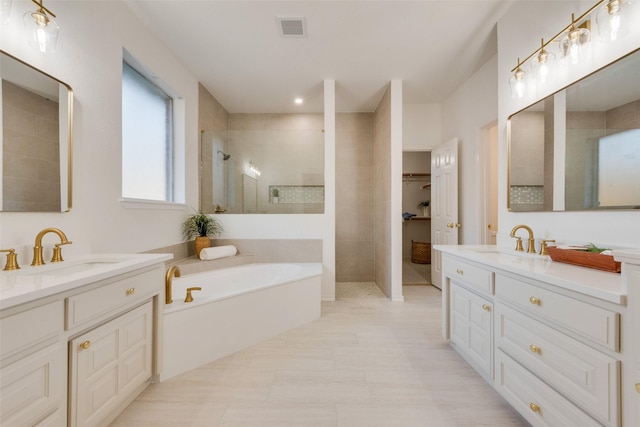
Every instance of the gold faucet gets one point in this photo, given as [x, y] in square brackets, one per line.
[57, 252]
[171, 272]
[532, 246]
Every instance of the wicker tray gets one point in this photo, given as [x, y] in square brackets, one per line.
[584, 259]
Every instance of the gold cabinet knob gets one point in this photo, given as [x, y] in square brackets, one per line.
[534, 301]
[460, 271]
[534, 407]
[131, 291]
[485, 307]
[638, 387]
[534, 349]
[85, 345]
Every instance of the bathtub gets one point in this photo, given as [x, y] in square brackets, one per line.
[236, 308]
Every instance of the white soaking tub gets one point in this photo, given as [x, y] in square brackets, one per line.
[236, 308]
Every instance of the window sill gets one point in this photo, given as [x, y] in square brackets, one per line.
[151, 204]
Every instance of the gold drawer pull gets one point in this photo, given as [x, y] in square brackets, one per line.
[534, 349]
[131, 291]
[534, 407]
[460, 271]
[638, 387]
[534, 300]
[485, 307]
[85, 345]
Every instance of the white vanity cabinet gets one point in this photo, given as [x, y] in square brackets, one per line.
[558, 350]
[33, 366]
[470, 314]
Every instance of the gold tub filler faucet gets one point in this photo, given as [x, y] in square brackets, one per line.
[532, 246]
[168, 278]
[57, 251]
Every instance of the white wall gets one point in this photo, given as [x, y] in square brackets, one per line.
[421, 126]
[469, 110]
[519, 32]
[89, 58]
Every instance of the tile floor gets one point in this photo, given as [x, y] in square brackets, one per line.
[415, 274]
[366, 362]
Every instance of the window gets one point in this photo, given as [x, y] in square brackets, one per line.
[147, 139]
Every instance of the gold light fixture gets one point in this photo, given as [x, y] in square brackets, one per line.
[611, 21]
[517, 82]
[543, 64]
[42, 28]
[574, 39]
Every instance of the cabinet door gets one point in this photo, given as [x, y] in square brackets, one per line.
[471, 328]
[34, 389]
[108, 363]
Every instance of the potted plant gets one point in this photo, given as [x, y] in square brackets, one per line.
[425, 208]
[203, 227]
[275, 193]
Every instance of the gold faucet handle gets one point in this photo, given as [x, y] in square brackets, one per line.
[189, 298]
[12, 259]
[543, 246]
[519, 247]
[57, 251]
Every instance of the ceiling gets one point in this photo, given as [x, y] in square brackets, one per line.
[234, 48]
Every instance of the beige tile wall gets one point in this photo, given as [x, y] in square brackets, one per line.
[31, 142]
[354, 198]
[382, 193]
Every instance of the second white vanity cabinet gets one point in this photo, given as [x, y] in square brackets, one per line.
[556, 352]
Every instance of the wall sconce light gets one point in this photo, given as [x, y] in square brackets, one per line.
[611, 21]
[574, 39]
[517, 81]
[42, 28]
[543, 64]
[5, 11]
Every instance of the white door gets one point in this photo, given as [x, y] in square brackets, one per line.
[444, 198]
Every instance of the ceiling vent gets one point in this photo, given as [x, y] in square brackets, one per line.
[292, 27]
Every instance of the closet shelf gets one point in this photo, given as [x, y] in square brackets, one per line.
[415, 175]
[419, 218]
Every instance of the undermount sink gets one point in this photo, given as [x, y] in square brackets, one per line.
[65, 268]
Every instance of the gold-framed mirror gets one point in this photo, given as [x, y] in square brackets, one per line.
[36, 139]
[579, 148]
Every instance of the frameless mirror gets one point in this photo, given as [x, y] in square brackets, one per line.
[579, 149]
[35, 142]
[264, 163]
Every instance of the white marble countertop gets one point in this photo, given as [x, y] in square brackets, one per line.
[31, 283]
[599, 284]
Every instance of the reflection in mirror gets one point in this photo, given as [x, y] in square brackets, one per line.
[264, 163]
[594, 125]
[35, 141]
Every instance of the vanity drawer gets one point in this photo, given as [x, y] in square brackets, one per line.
[586, 376]
[594, 323]
[538, 403]
[112, 298]
[468, 274]
[24, 329]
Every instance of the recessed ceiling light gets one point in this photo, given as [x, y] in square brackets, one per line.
[298, 101]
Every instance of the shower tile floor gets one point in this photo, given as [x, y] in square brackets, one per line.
[366, 362]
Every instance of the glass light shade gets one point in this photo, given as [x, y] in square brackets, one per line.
[5, 11]
[43, 31]
[517, 83]
[542, 66]
[611, 21]
[574, 44]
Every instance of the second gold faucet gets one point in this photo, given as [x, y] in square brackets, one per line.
[532, 245]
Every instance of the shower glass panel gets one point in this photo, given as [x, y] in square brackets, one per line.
[287, 161]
